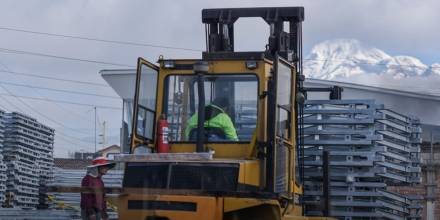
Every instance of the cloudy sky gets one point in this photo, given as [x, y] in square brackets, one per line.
[398, 27]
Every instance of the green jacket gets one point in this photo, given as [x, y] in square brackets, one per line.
[215, 117]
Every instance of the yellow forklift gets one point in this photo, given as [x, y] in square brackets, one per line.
[185, 162]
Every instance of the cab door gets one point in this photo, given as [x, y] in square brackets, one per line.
[281, 129]
[144, 111]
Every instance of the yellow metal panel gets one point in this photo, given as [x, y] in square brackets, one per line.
[291, 217]
[252, 172]
[232, 150]
[249, 172]
[296, 211]
[242, 173]
[297, 188]
[232, 204]
[209, 208]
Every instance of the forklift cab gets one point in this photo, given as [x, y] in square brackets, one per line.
[236, 89]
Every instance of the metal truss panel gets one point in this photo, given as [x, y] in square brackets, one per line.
[369, 147]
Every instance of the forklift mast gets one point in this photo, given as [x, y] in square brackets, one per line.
[219, 24]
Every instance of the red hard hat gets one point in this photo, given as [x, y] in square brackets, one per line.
[101, 161]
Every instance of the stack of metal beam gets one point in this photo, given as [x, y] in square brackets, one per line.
[369, 148]
[3, 176]
[27, 151]
[26, 214]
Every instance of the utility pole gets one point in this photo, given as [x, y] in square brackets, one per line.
[103, 135]
[95, 128]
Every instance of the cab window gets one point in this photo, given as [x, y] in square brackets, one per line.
[230, 107]
[284, 103]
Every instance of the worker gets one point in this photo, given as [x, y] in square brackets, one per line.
[93, 201]
[218, 124]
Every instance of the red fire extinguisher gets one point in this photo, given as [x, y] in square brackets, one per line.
[162, 135]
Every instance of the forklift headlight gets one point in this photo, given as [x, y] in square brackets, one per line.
[168, 64]
[251, 64]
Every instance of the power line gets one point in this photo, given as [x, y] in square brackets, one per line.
[73, 113]
[9, 102]
[60, 135]
[72, 137]
[3, 107]
[59, 90]
[59, 132]
[52, 78]
[6, 50]
[62, 101]
[99, 40]
[10, 93]
[176, 48]
[12, 104]
[34, 110]
[64, 109]
[38, 112]
[20, 109]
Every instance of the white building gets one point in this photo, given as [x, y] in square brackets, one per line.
[28, 154]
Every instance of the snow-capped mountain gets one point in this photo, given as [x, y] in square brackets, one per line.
[351, 61]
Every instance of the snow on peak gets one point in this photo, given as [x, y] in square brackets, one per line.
[347, 49]
[345, 58]
[434, 69]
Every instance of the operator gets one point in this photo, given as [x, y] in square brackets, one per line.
[218, 124]
[93, 201]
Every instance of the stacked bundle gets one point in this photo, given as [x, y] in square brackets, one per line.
[28, 148]
[369, 148]
[2, 179]
[2, 164]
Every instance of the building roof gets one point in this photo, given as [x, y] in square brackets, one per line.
[71, 164]
[121, 80]
[114, 146]
[373, 88]
[115, 78]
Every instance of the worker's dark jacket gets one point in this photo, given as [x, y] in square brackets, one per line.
[93, 201]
